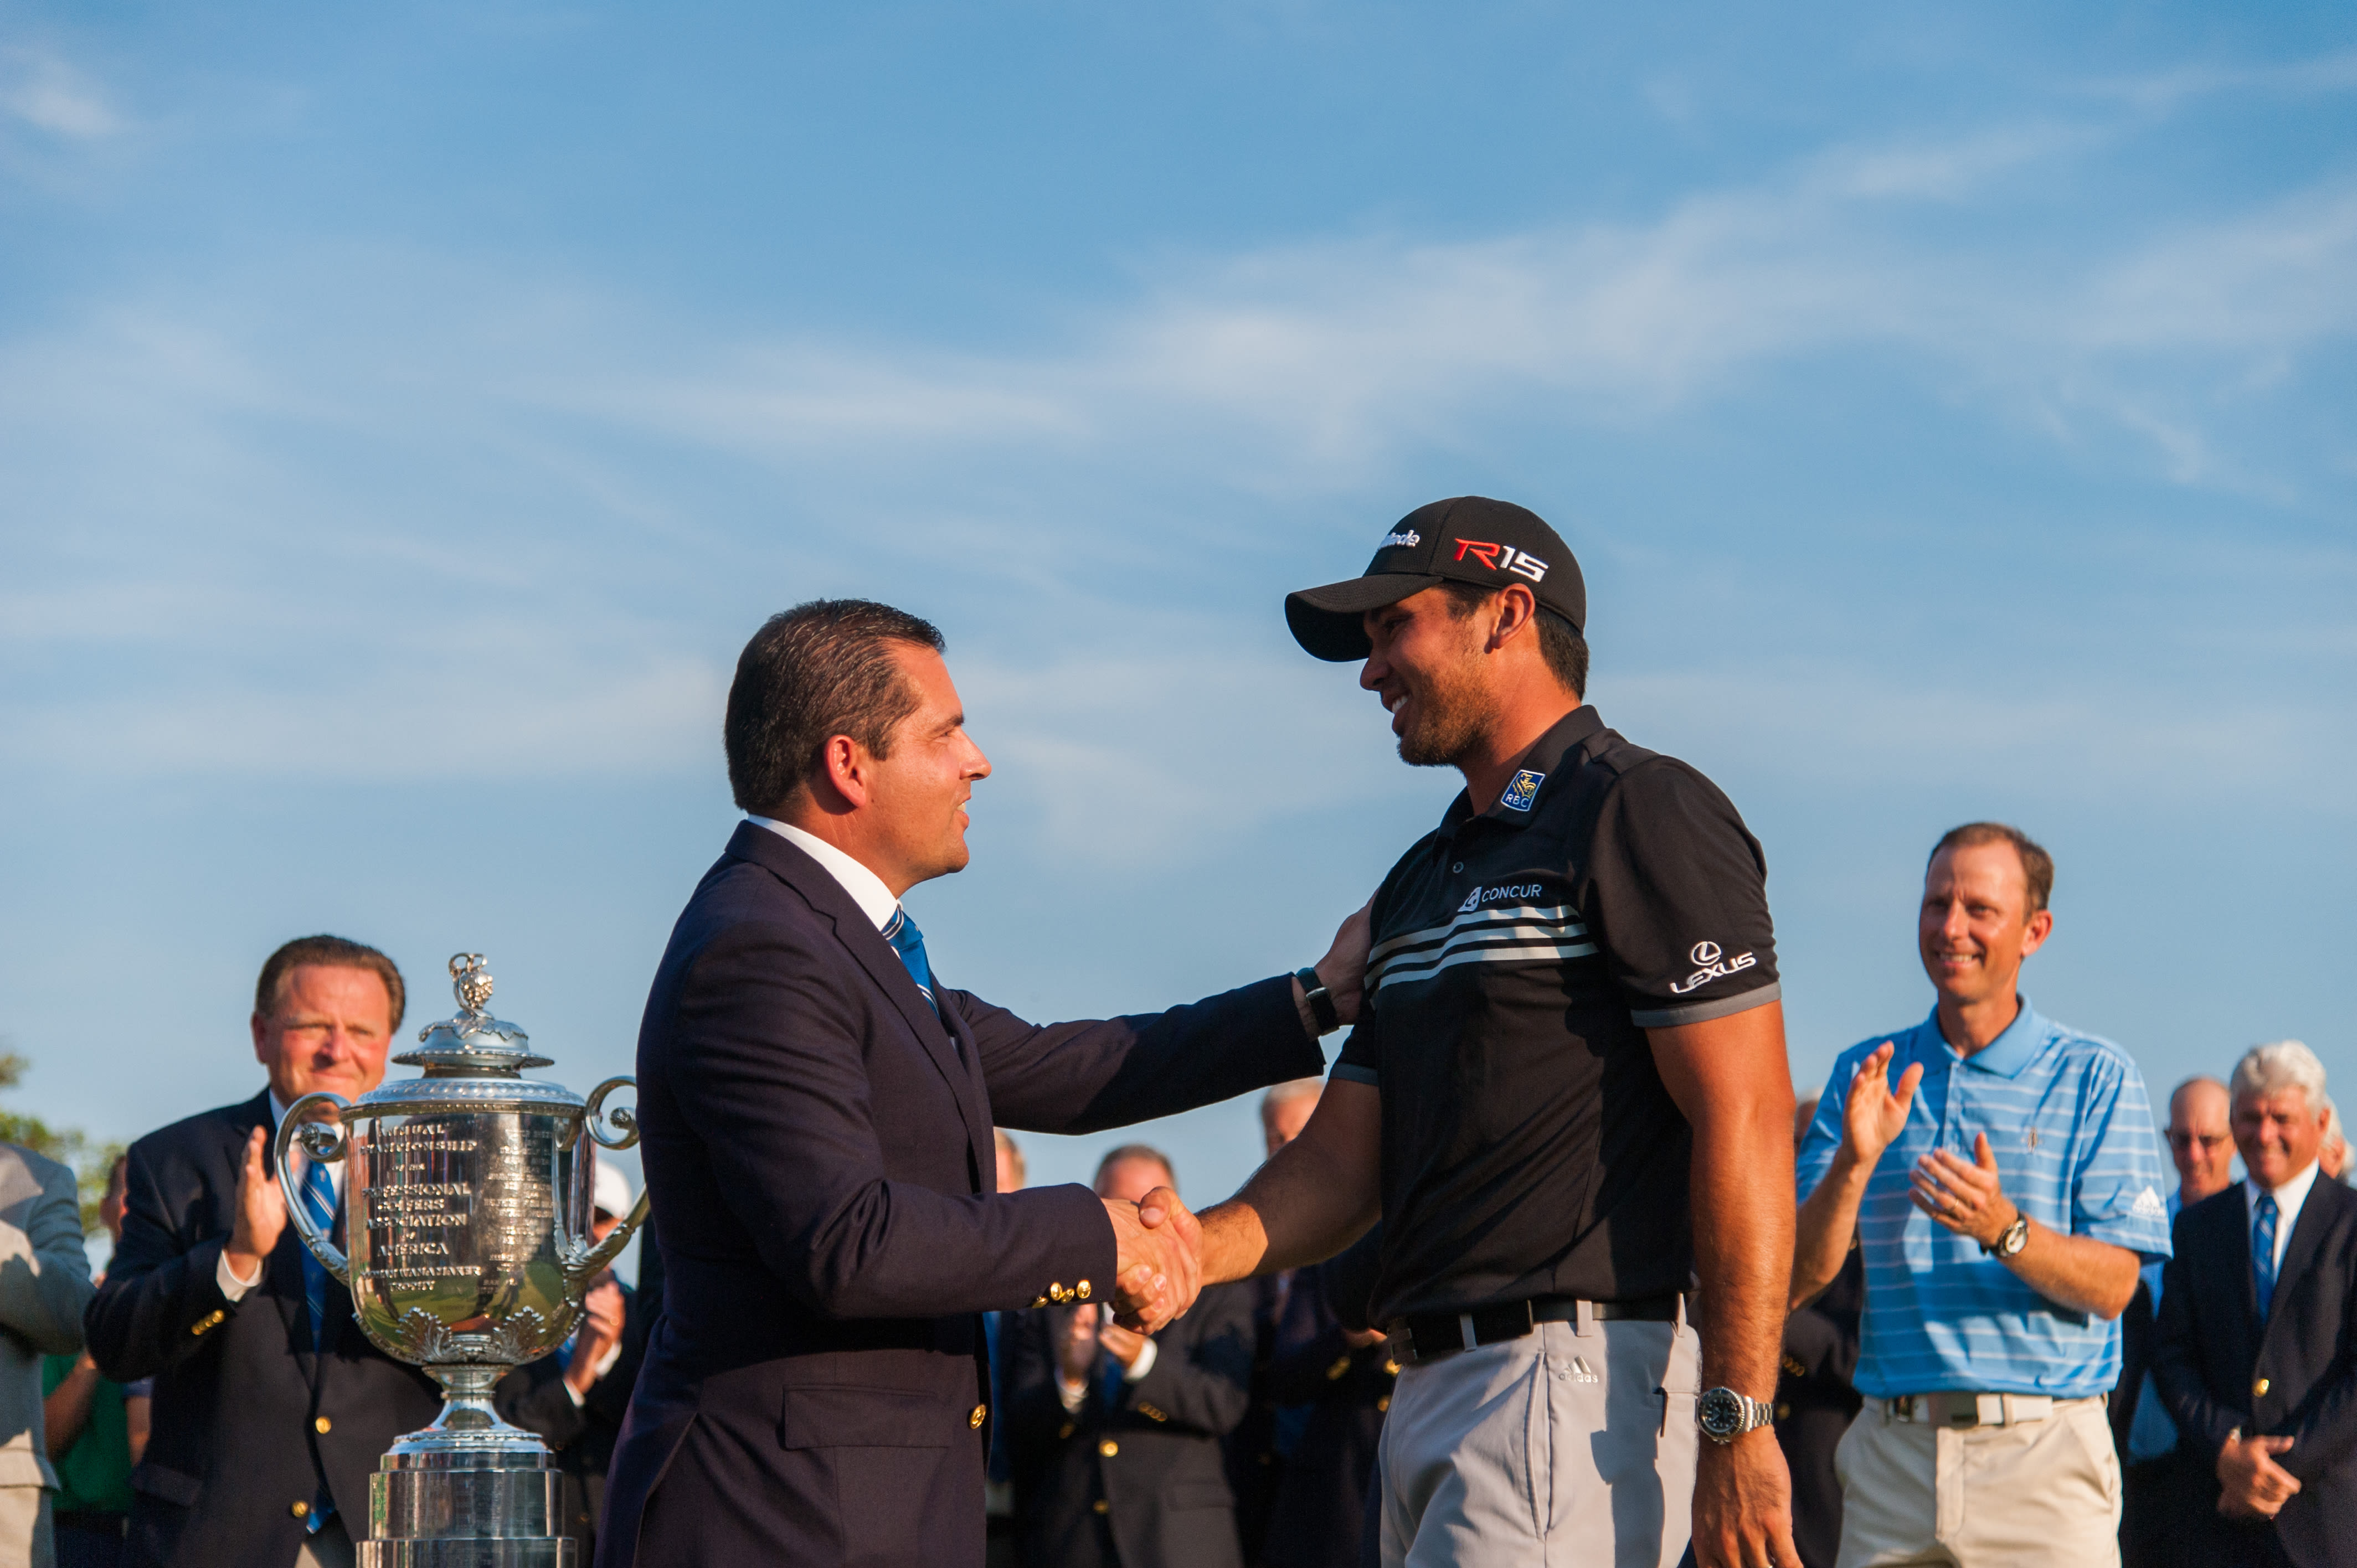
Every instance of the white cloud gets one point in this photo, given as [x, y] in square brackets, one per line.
[45, 93]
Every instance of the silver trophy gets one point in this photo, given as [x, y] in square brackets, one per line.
[466, 1208]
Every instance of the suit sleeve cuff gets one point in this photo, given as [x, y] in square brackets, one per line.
[1136, 1371]
[233, 1289]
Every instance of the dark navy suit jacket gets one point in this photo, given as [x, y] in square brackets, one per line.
[1138, 1479]
[2219, 1368]
[1343, 1393]
[818, 1144]
[251, 1418]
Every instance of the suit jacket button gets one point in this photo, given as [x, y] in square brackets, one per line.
[1383, 1404]
[1102, 1506]
[2259, 1389]
[1108, 1448]
[1063, 1432]
[322, 1425]
[1081, 1290]
[976, 1419]
[300, 1509]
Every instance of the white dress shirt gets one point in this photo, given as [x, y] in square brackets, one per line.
[867, 888]
[2289, 1199]
[297, 1162]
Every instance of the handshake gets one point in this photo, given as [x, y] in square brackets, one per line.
[1158, 1266]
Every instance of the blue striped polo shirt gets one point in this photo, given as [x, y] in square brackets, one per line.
[2070, 1125]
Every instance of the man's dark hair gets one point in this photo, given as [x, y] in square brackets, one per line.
[817, 670]
[1560, 643]
[2036, 866]
[1147, 1152]
[328, 953]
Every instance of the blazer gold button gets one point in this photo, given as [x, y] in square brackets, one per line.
[1038, 1301]
[300, 1509]
[1064, 1432]
[1382, 1404]
[2259, 1389]
[974, 1420]
[1081, 1290]
[1108, 1448]
[322, 1424]
[1392, 1368]
[1338, 1370]
[1102, 1506]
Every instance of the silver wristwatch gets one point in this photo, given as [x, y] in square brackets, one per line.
[1725, 1415]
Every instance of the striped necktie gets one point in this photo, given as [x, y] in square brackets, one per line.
[319, 1200]
[2262, 1251]
[910, 944]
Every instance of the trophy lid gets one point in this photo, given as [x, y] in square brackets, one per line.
[474, 1044]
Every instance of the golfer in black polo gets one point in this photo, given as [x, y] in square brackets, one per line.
[1567, 1095]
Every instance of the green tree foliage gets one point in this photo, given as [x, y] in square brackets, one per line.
[70, 1146]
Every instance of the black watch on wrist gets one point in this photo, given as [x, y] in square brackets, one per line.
[2011, 1239]
[1322, 1001]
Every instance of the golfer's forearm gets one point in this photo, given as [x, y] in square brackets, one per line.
[1301, 1207]
[2077, 1271]
[1826, 1225]
[1743, 1251]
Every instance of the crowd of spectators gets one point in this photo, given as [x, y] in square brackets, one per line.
[2004, 1335]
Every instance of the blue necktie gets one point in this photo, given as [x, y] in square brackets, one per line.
[2262, 1251]
[319, 1199]
[910, 944]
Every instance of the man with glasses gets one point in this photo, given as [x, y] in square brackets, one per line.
[2152, 1533]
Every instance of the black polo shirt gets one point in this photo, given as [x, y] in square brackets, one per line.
[1519, 954]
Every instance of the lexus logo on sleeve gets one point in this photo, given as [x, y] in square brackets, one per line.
[1711, 962]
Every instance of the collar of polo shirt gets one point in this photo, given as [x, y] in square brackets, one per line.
[2011, 1051]
[1545, 756]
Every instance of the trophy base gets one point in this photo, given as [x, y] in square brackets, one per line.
[470, 1492]
[502, 1514]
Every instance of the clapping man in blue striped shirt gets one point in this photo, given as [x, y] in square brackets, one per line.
[2001, 1172]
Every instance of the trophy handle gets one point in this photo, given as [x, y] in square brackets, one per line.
[327, 1144]
[594, 1119]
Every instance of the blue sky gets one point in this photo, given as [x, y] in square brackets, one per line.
[406, 414]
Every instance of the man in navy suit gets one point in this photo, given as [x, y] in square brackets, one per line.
[271, 1406]
[817, 1115]
[1115, 1434]
[2256, 1352]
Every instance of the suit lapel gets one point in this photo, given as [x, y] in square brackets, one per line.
[2325, 1198]
[859, 936]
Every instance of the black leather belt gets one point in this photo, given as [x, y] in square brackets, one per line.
[1423, 1334]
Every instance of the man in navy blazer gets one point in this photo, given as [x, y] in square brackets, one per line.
[2257, 1351]
[817, 1114]
[271, 1407]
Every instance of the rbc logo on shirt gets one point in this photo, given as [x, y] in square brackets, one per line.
[1523, 790]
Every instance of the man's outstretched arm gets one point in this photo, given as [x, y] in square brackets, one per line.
[1731, 1079]
[1315, 1197]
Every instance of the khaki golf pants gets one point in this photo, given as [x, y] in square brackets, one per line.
[1572, 1447]
[2044, 1494]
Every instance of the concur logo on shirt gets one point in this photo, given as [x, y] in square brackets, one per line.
[1523, 790]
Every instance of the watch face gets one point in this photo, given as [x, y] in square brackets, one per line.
[1719, 1412]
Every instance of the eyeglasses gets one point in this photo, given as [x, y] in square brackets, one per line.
[2208, 1140]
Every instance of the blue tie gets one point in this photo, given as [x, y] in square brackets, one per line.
[2262, 1251]
[319, 1199]
[910, 944]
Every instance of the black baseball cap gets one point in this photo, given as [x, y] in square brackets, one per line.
[1466, 539]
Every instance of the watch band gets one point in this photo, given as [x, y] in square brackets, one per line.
[1322, 1001]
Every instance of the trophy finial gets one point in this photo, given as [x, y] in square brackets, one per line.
[471, 980]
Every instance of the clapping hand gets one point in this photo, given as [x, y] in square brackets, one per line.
[1874, 1114]
[1965, 1198]
[1159, 1263]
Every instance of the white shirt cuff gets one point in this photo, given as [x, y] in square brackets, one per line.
[579, 1398]
[231, 1286]
[1143, 1365]
[1073, 1395]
